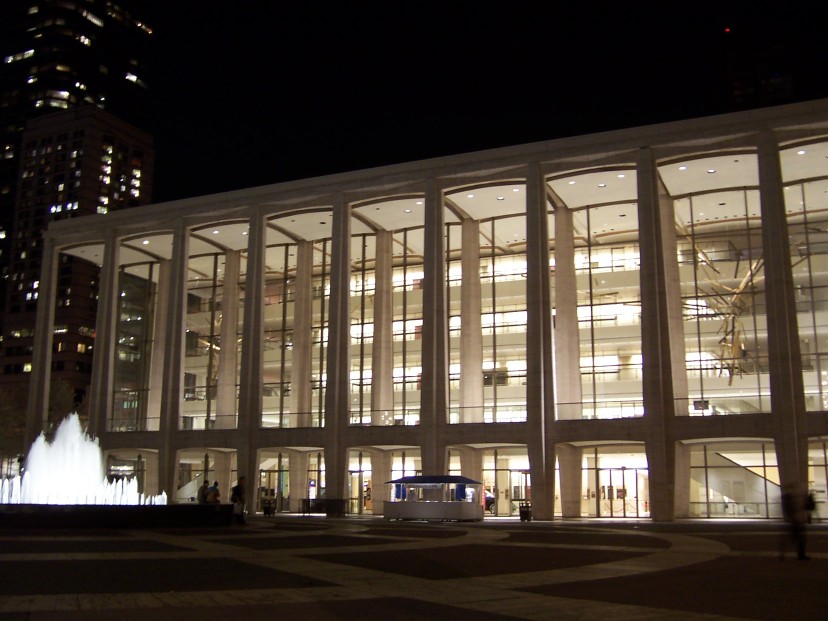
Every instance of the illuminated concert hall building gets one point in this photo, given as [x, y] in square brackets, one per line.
[627, 324]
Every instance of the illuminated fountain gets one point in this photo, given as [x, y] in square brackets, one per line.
[70, 471]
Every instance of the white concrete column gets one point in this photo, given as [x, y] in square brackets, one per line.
[471, 330]
[784, 356]
[568, 388]
[251, 369]
[159, 341]
[570, 468]
[173, 376]
[382, 348]
[228, 358]
[37, 412]
[301, 392]
[297, 480]
[150, 473]
[222, 473]
[539, 376]
[106, 336]
[338, 388]
[659, 403]
[380, 474]
[675, 328]
[434, 395]
[471, 462]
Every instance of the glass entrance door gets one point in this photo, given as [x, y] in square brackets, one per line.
[360, 492]
[623, 493]
[272, 491]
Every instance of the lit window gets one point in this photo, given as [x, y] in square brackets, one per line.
[27, 367]
[20, 56]
[92, 18]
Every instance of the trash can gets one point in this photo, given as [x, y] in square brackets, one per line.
[525, 512]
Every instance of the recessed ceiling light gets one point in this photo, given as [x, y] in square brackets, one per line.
[682, 167]
[621, 175]
[500, 198]
[515, 189]
[321, 222]
[419, 202]
[571, 183]
[469, 195]
[215, 232]
[801, 152]
[602, 185]
[407, 211]
[145, 242]
[244, 232]
[710, 171]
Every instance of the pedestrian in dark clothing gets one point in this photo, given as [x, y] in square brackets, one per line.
[237, 498]
[203, 491]
[810, 506]
[795, 513]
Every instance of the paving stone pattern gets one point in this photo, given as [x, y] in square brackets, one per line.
[300, 567]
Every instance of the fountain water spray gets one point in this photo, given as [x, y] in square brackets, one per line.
[70, 471]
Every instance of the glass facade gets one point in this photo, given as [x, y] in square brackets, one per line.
[478, 339]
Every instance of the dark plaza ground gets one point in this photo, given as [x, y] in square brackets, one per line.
[319, 568]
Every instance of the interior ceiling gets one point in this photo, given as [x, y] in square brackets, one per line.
[723, 188]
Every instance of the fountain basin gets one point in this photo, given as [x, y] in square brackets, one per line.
[18, 516]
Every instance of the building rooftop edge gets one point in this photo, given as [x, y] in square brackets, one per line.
[453, 166]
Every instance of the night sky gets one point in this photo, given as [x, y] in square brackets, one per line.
[253, 93]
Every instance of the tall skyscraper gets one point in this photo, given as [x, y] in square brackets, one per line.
[74, 89]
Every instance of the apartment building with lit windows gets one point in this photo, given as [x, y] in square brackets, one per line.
[73, 83]
[75, 163]
[626, 324]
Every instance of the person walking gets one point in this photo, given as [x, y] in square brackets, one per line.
[203, 491]
[213, 494]
[237, 497]
[796, 515]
